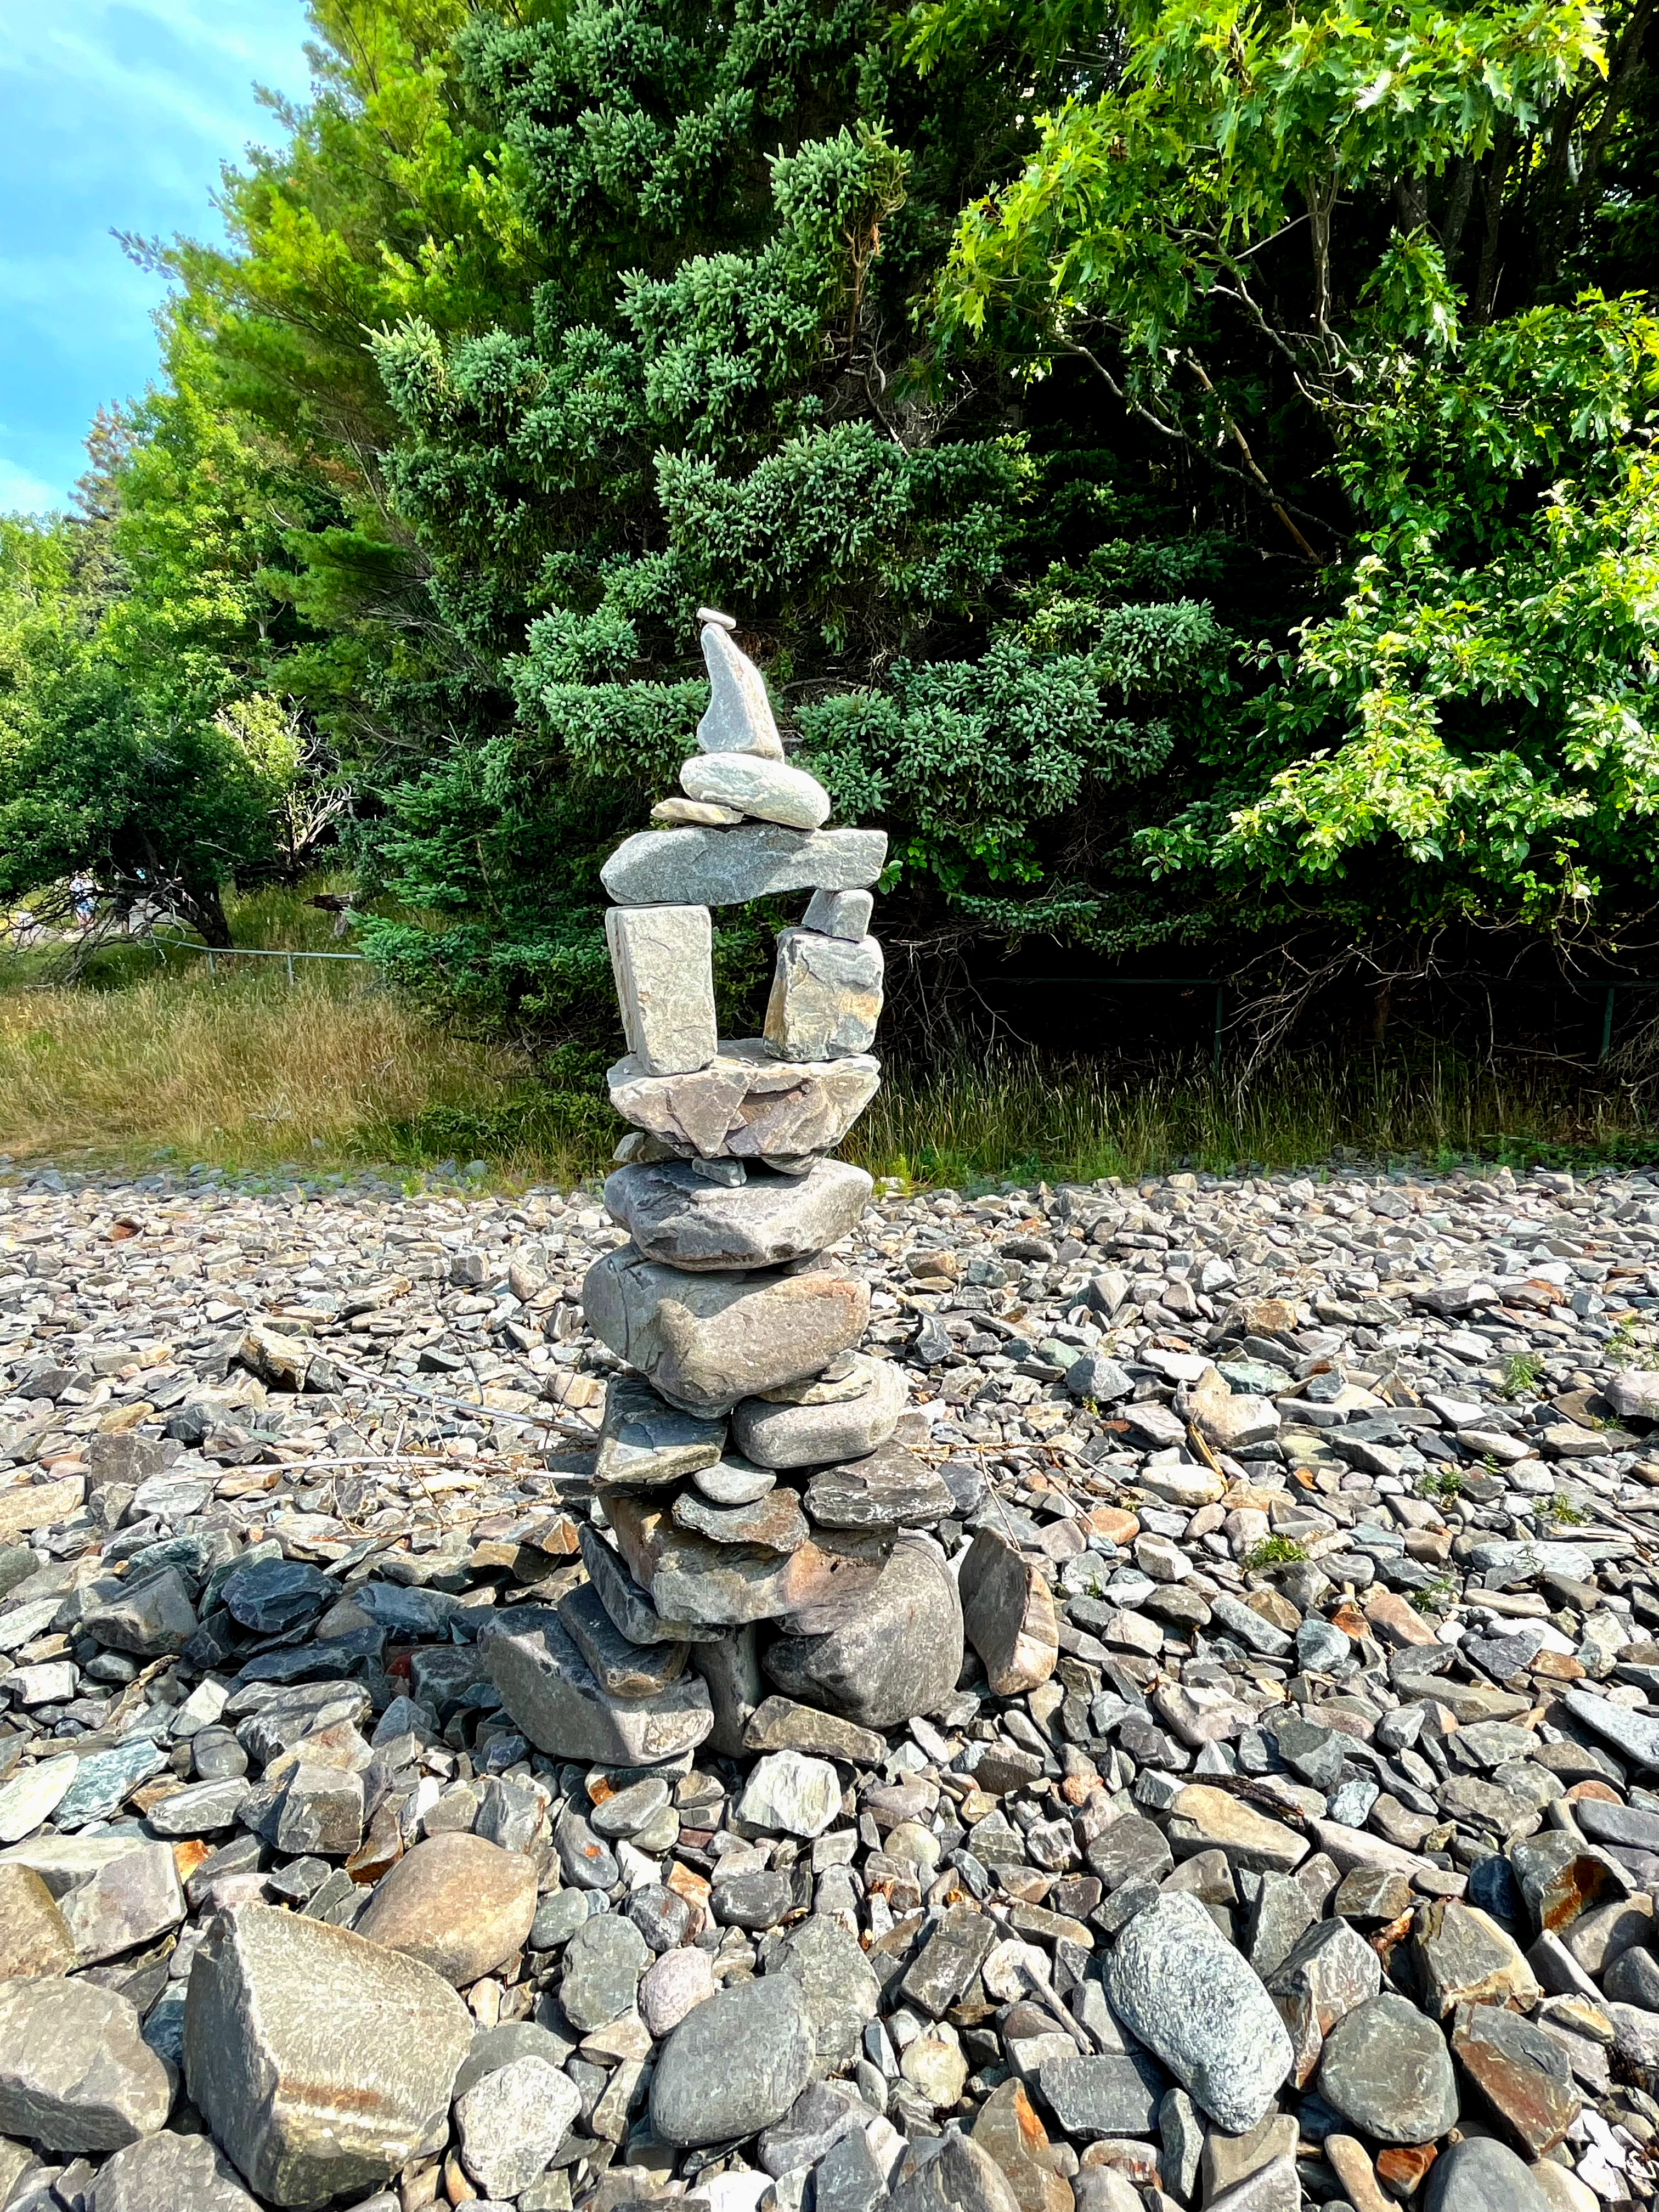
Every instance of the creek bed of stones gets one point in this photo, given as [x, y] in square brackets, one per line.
[1305, 1851]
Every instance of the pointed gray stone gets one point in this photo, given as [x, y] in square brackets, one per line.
[739, 717]
[728, 867]
[643, 1440]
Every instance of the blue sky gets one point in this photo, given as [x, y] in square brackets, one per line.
[114, 115]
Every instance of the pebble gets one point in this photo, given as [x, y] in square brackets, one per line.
[734, 2064]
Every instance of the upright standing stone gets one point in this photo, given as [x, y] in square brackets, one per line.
[662, 958]
[739, 717]
[826, 996]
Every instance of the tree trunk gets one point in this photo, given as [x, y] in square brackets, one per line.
[208, 914]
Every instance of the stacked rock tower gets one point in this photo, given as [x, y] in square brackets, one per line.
[766, 1579]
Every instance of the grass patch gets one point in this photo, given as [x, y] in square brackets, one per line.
[1522, 1374]
[1274, 1552]
[998, 1116]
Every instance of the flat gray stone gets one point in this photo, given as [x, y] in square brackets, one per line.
[789, 1793]
[735, 2064]
[890, 1488]
[779, 1725]
[203, 1808]
[34, 1794]
[962, 2178]
[1110, 2095]
[879, 1655]
[704, 1341]
[513, 2122]
[1387, 2069]
[690, 1577]
[555, 1698]
[629, 1605]
[158, 1616]
[1635, 1735]
[739, 717]
[321, 2062]
[76, 2073]
[644, 1441]
[169, 2172]
[727, 868]
[621, 1669]
[603, 1962]
[102, 1782]
[677, 1217]
[1176, 1980]
[786, 1431]
[662, 961]
[771, 1522]
[749, 1105]
[772, 791]
[838, 913]
[1633, 1393]
[826, 996]
[131, 1900]
[840, 1989]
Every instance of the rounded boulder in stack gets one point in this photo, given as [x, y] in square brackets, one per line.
[756, 1517]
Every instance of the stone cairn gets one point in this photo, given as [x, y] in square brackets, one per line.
[765, 1584]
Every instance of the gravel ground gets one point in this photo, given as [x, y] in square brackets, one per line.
[1291, 1835]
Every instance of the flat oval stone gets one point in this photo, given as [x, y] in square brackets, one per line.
[734, 1482]
[773, 1523]
[457, 1904]
[734, 2064]
[1387, 2069]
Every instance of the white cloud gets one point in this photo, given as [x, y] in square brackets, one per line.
[22, 494]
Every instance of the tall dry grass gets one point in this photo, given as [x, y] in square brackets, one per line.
[241, 1071]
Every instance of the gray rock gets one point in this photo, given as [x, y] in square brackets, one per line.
[1181, 1986]
[733, 1482]
[603, 1962]
[459, 1904]
[779, 1725]
[156, 1617]
[643, 1440]
[770, 790]
[31, 1798]
[962, 2178]
[1633, 1393]
[727, 868]
[629, 1607]
[883, 1653]
[1388, 2069]
[739, 717]
[788, 1794]
[169, 2173]
[680, 1218]
[734, 2065]
[1635, 1735]
[1112, 2094]
[101, 1783]
[271, 1595]
[495, 2047]
[662, 960]
[202, 1810]
[730, 1667]
[621, 1669]
[841, 1993]
[322, 2063]
[75, 2074]
[131, 1900]
[770, 1523]
[749, 1105]
[1482, 2175]
[321, 1812]
[512, 2122]
[1008, 1615]
[706, 1341]
[558, 1701]
[826, 996]
[838, 913]
[802, 1425]
[687, 1576]
[890, 1488]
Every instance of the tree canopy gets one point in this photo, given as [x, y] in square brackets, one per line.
[1186, 471]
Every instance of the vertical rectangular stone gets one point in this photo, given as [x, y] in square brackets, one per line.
[826, 996]
[662, 958]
